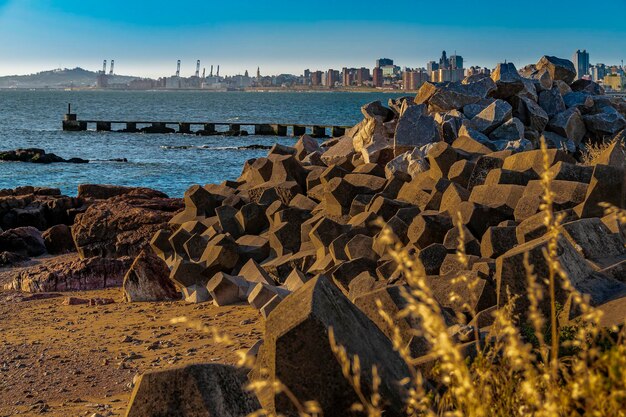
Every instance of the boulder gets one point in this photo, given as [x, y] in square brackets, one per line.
[58, 240]
[568, 123]
[551, 102]
[415, 129]
[72, 274]
[104, 192]
[511, 274]
[25, 241]
[227, 289]
[121, 226]
[532, 115]
[148, 279]
[606, 122]
[507, 79]
[558, 68]
[492, 117]
[297, 352]
[211, 390]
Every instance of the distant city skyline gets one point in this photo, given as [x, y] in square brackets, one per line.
[147, 38]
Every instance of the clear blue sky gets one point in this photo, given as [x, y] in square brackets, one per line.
[147, 37]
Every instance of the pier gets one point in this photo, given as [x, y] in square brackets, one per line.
[71, 123]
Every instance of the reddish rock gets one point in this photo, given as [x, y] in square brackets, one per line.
[71, 274]
[148, 279]
[58, 239]
[122, 226]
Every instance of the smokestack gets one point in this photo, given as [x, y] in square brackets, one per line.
[104, 66]
[112, 66]
[211, 74]
[203, 73]
[178, 68]
[218, 70]
[197, 68]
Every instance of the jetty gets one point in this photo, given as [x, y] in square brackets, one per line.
[71, 123]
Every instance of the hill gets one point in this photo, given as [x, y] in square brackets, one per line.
[58, 78]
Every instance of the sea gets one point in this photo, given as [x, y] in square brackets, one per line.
[167, 162]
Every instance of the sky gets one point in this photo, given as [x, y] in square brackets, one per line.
[145, 38]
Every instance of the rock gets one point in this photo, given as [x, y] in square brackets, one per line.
[36, 156]
[559, 69]
[375, 110]
[253, 247]
[334, 154]
[415, 129]
[606, 186]
[72, 275]
[104, 192]
[607, 122]
[533, 160]
[511, 130]
[453, 95]
[498, 240]
[555, 141]
[580, 100]
[511, 274]
[508, 81]
[148, 279]
[493, 116]
[227, 289]
[566, 195]
[25, 241]
[211, 390]
[220, 255]
[297, 352]
[594, 241]
[410, 163]
[551, 102]
[58, 240]
[587, 86]
[121, 226]
[196, 294]
[568, 123]
[429, 227]
[532, 115]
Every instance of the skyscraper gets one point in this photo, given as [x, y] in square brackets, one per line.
[383, 62]
[378, 77]
[432, 66]
[456, 61]
[444, 63]
[581, 63]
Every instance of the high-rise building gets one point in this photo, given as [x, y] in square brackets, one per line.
[432, 66]
[316, 78]
[443, 61]
[348, 76]
[413, 79]
[332, 77]
[362, 75]
[456, 61]
[598, 72]
[378, 77]
[384, 62]
[581, 63]
[447, 74]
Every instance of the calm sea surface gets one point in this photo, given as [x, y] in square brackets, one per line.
[170, 163]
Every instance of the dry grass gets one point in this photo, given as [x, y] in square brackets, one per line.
[594, 150]
[514, 373]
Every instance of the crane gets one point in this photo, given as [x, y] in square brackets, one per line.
[197, 68]
[112, 66]
[178, 68]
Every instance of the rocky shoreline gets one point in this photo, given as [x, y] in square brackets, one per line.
[302, 235]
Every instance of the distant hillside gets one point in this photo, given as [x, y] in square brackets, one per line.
[59, 78]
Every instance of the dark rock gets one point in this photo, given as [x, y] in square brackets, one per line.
[58, 239]
[559, 69]
[25, 241]
[508, 81]
[296, 351]
[211, 390]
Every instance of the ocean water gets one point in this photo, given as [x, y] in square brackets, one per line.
[167, 162]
